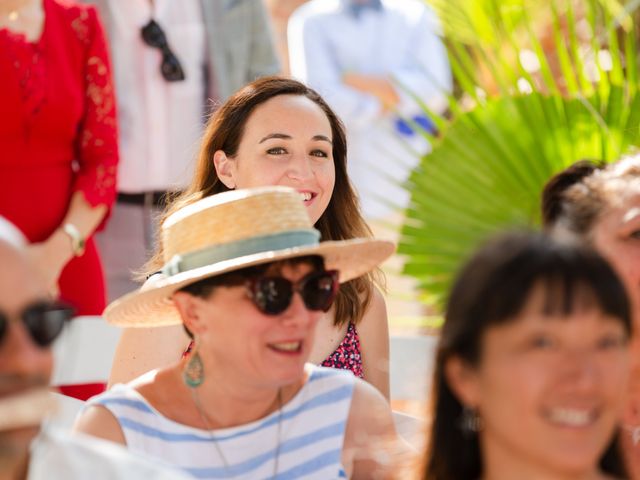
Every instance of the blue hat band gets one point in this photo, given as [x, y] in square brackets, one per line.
[241, 248]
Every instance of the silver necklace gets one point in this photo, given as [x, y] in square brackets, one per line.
[207, 424]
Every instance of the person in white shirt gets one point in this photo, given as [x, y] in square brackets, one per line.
[173, 62]
[364, 57]
[29, 447]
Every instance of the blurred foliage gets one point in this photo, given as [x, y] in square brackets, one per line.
[542, 84]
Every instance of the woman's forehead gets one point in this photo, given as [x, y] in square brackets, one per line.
[288, 111]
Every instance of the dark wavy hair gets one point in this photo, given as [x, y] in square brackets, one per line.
[574, 199]
[553, 201]
[341, 220]
[492, 288]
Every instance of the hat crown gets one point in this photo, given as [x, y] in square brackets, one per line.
[234, 216]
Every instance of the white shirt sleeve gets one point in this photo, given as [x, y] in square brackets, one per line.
[311, 62]
[59, 454]
[425, 72]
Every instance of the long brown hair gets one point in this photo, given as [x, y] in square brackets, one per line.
[340, 221]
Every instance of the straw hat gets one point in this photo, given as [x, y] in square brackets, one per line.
[230, 231]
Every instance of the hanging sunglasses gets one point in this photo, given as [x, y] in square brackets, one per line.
[273, 295]
[43, 321]
[153, 36]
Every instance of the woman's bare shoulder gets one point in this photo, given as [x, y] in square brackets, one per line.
[140, 350]
[98, 421]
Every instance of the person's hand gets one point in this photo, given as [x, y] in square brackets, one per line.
[50, 257]
[380, 87]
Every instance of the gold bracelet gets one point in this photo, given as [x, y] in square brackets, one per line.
[77, 240]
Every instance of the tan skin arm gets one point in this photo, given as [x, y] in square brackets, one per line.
[373, 331]
[378, 86]
[372, 447]
[142, 349]
[54, 253]
[99, 422]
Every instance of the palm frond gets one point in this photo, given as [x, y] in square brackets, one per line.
[550, 85]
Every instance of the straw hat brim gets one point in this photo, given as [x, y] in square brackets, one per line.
[152, 306]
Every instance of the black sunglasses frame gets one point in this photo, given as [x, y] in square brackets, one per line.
[267, 304]
[154, 36]
[44, 321]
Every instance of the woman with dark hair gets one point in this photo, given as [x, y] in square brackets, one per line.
[600, 205]
[278, 131]
[532, 366]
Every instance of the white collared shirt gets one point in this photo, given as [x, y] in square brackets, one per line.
[160, 122]
[399, 40]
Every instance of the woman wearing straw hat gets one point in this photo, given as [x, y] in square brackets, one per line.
[277, 131]
[246, 275]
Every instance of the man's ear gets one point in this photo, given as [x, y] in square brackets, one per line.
[225, 168]
[462, 379]
[190, 307]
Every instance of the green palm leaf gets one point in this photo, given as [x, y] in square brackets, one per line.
[472, 184]
[486, 171]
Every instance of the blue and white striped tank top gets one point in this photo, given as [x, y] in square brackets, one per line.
[311, 439]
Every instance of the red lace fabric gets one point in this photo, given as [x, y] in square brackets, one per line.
[58, 134]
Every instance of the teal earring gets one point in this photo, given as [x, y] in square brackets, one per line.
[193, 374]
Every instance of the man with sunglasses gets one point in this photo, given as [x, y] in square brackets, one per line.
[173, 61]
[29, 323]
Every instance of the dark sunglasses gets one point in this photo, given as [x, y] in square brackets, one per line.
[272, 295]
[153, 36]
[43, 321]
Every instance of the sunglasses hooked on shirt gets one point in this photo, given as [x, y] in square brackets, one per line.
[154, 37]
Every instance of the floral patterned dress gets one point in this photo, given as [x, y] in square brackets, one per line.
[347, 355]
[58, 134]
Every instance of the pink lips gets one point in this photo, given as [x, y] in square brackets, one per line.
[289, 347]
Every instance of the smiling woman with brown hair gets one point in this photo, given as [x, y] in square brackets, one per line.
[278, 131]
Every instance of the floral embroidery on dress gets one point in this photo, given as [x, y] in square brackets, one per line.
[99, 89]
[347, 356]
[81, 27]
[96, 143]
[105, 179]
[30, 71]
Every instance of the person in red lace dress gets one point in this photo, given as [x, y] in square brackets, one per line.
[58, 141]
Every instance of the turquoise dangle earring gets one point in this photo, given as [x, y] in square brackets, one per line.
[193, 374]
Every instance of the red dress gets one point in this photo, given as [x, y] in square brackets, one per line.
[58, 135]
